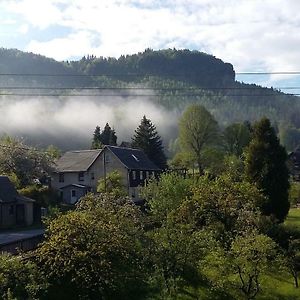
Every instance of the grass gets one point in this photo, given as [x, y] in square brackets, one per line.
[293, 218]
[279, 287]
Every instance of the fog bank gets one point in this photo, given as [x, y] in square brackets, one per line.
[69, 122]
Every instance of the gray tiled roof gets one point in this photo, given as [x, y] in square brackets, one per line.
[77, 161]
[8, 192]
[133, 159]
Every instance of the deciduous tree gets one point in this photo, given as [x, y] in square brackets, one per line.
[24, 162]
[197, 130]
[94, 252]
[236, 137]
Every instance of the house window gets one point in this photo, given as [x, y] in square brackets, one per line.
[73, 193]
[107, 158]
[92, 176]
[134, 175]
[147, 174]
[81, 176]
[141, 175]
[61, 177]
[11, 210]
[133, 193]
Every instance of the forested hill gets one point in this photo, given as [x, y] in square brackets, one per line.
[176, 78]
[190, 66]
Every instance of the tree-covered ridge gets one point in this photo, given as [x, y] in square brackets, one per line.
[171, 78]
[189, 66]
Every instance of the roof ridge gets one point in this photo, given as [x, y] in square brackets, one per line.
[89, 150]
[125, 148]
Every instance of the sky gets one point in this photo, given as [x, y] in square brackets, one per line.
[253, 35]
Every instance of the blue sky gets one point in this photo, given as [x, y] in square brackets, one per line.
[253, 35]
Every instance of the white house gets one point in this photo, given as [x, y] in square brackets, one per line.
[78, 172]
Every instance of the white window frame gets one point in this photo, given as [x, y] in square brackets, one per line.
[133, 175]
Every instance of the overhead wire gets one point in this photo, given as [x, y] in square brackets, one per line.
[95, 88]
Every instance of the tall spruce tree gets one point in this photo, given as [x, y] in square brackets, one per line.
[265, 165]
[96, 142]
[147, 139]
[108, 136]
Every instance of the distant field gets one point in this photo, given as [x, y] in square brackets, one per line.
[293, 218]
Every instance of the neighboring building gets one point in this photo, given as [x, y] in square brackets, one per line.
[294, 164]
[78, 172]
[15, 210]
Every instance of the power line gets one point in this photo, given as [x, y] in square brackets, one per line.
[137, 95]
[143, 88]
[269, 73]
[143, 74]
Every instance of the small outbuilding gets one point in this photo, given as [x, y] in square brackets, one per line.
[15, 209]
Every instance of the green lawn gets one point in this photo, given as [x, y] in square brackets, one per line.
[293, 218]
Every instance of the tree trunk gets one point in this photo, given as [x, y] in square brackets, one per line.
[296, 280]
[200, 168]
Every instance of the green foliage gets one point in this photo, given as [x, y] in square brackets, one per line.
[223, 205]
[53, 152]
[108, 136]
[293, 218]
[294, 193]
[96, 142]
[23, 162]
[182, 160]
[44, 196]
[19, 279]
[147, 139]
[94, 252]
[265, 166]
[293, 259]
[236, 137]
[213, 159]
[175, 250]
[252, 255]
[197, 130]
[112, 184]
[233, 166]
[289, 136]
[166, 195]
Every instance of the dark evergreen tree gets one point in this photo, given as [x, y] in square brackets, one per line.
[265, 165]
[108, 136]
[96, 142]
[147, 139]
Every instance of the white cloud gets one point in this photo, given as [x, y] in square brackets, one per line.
[62, 48]
[250, 34]
[23, 29]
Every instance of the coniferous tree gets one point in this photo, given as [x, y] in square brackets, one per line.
[265, 165]
[147, 139]
[108, 136]
[96, 142]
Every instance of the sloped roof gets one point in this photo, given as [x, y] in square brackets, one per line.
[8, 192]
[77, 161]
[80, 186]
[133, 159]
